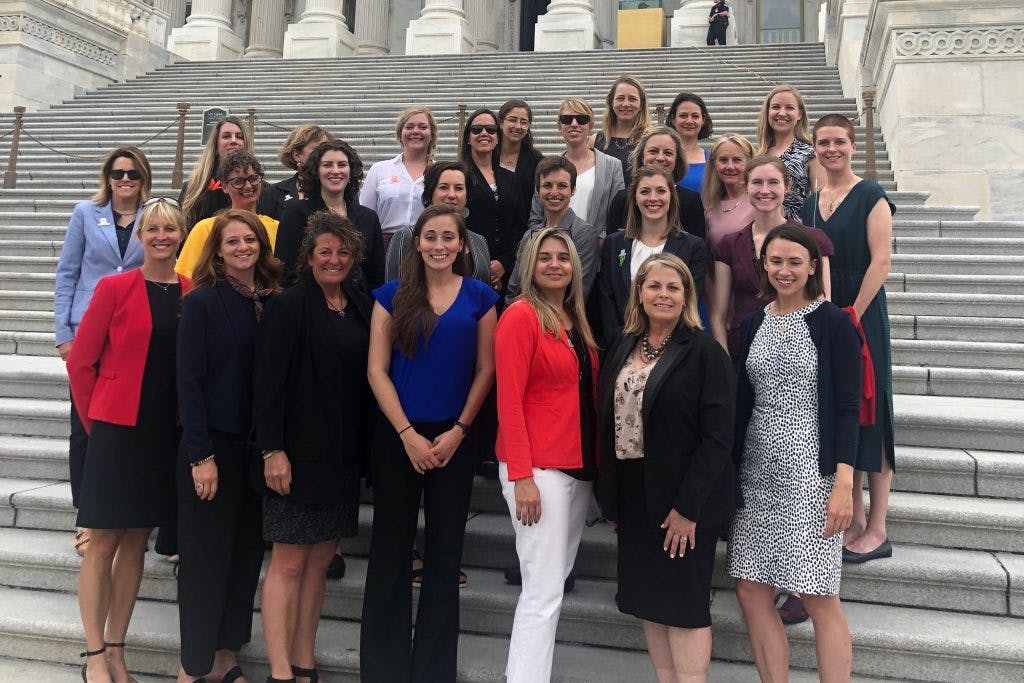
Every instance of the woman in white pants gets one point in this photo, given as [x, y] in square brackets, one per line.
[547, 373]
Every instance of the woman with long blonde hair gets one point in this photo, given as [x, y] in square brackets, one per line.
[547, 373]
[201, 195]
[784, 131]
[625, 119]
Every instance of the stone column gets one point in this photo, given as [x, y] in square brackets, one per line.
[568, 25]
[853, 18]
[441, 29]
[690, 24]
[207, 34]
[321, 32]
[372, 28]
[266, 29]
[483, 18]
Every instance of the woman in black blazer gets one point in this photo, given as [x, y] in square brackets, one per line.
[293, 154]
[331, 178]
[496, 209]
[666, 400]
[662, 146]
[310, 416]
[218, 512]
[652, 227]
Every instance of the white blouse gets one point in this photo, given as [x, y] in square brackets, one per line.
[640, 254]
[584, 188]
[389, 190]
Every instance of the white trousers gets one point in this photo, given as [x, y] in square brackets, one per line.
[547, 551]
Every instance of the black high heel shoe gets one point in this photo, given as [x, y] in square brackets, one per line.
[312, 674]
[87, 653]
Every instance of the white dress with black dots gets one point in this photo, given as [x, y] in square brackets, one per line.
[776, 537]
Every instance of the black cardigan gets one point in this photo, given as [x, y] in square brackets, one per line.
[314, 406]
[293, 227]
[216, 344]
[839, 385]
[502, 222]
[687, 420]
[691, 212]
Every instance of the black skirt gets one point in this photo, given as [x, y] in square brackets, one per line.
[652, 585]
[294, 522]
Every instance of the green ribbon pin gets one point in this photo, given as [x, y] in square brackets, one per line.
[622, 257]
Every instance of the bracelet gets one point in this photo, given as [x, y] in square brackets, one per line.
[203, 461]
[268, 454]
[463, 426]
[408, 426]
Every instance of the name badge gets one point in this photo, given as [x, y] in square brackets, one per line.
[103, 221]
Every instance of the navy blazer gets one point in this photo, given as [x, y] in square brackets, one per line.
[216, 344]
[687, 415]
[839, 385]
[614, 281]
[90, 252]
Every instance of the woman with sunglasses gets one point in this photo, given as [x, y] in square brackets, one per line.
[689, 116]
[598, 175]
[625, 120]
[100, 241]
[241, 178]
[517, 152]
[496, 209]
[122, 373]
[331, 177]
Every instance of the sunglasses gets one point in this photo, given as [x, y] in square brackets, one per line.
[160, 200]
[239, 183]
[119, 174]
[567, 119]
[490, 128]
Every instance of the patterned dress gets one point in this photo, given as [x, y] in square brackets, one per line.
[776, 537]
[795, 158]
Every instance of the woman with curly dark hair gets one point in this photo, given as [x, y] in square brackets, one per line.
[331, 178]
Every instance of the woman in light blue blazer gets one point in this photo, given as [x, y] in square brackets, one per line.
[100, 241]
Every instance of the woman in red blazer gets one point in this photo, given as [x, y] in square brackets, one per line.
[547, 369]
[122, 375]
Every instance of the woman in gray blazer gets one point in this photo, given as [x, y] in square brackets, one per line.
[598, 175]
[100, 241]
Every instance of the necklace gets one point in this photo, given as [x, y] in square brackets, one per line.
[340, 309]
[733, 207]
[162, 285]
[648, 353]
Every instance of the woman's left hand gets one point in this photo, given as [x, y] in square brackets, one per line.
[205, 479]
[445, 444]
[838, 510]
[681, 533]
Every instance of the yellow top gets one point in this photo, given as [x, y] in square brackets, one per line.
[197, 236]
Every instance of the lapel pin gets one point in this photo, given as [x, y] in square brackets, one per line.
[622, 257]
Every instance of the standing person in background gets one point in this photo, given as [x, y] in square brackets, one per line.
[219, 515]
[496, 209]
[331, 176]
[666, 477]
[598, 175]
[689, 117]
[662, 146]
[718, 18]
[393, 187]
[517, 152]
[100, 241]
[432, 322]
[241, 178]
[310, 414]
[726, 206]
[626, 117]
[122, 374]
[782, 130]
[547, 380]
[857, 215]
[300, 142]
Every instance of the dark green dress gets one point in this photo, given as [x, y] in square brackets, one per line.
[847, 228]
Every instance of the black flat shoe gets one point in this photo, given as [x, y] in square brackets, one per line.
[336, 569]
[884, 549]
[311, 674]
[232, 675]
[271, 679]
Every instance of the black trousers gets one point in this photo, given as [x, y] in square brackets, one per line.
[387, 652]
[77, 445]
[221, 547]
[716, 32]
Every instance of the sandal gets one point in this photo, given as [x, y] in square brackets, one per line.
[312, 674]
[232, 675]
[82, 538]
[131, 679]
[87, 653]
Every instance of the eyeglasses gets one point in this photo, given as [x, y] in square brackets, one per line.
[515, 121]
[490, 128]
[160, 200]
[119, 174]
[239, 183]
[567, 119]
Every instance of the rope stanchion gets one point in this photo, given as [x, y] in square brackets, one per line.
[11, 175]
[178, 173]
[871, 170]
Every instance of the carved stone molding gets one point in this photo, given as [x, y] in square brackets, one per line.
[975, 42]
[16, 23]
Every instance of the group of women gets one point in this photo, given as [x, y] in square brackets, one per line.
[343, 325]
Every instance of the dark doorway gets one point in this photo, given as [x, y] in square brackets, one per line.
[531, 9]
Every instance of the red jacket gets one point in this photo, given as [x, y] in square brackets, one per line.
[108, 356]
[538, 395]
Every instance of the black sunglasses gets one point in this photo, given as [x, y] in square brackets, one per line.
[567, 119]
[119, 174]
[239, 183]
[477, 128]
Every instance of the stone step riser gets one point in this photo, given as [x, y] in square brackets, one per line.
[901, 282]
[946, 381]
[23, 425]
[909, 353]
[973, 246]
[27, 344]
[923, 304]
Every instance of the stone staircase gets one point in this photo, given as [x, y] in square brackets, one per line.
[949, 606]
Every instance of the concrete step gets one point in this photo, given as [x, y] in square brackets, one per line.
[954, 284]
[958, 354]
[987, 424]
[959, 472]
[27, 343]
[953, 229]
[950, 264]
[33, 377]
[26, 321]
[956, 328]
[947, 381]
[34, 457]
[31, 282]
[24, 300]
[1005, 246]
[953, 304]
[35, 417]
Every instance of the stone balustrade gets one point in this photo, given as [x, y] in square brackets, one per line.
[134, 16]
